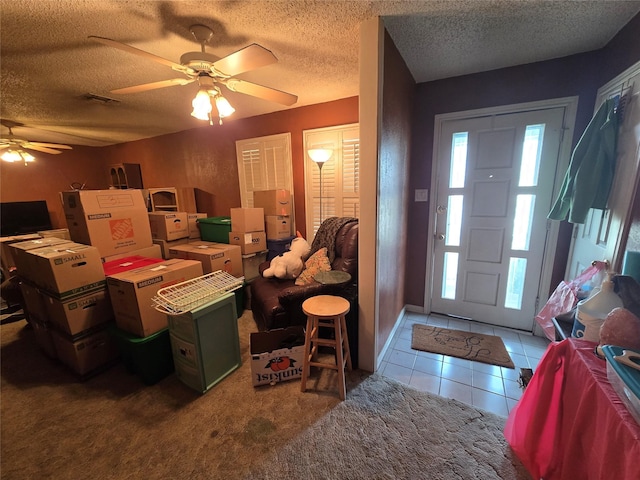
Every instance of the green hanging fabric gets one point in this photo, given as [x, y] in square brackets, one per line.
[588, 180]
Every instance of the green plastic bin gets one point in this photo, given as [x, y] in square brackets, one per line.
[215, 229]
[151, 358]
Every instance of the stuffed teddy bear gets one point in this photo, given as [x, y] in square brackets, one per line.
[291, 263]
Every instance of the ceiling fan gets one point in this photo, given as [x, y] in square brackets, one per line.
[210, 73]
[16, 146]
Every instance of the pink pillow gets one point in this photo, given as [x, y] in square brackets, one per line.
[316, 263]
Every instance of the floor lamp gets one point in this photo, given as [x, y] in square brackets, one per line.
[320, 156]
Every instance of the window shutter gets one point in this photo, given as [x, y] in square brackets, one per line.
[264, 163]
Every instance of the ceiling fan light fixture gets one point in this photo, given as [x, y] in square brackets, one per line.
[201, 105]
[224, 107]
[17, 156]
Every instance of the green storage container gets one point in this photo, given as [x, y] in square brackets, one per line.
[239, 293]
[215, 229]
[150, 357]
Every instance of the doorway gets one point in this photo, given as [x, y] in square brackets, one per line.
[493, 186]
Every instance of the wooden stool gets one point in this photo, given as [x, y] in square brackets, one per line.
[326, 311]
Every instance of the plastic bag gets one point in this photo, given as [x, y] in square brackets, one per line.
[564, 298]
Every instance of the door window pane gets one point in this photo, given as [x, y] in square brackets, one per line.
[458, 159]
[450, 275]
[515, 282]
[531, 151]
[522, 223]
[454, 220]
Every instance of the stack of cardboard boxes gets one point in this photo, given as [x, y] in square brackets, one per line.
[247, 231]
[277, 215]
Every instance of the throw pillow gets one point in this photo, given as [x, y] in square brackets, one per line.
[318, 262]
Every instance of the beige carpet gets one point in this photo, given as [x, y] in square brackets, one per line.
[457, 343]
[114, 427]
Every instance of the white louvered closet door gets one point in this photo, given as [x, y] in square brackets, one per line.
[340, 175]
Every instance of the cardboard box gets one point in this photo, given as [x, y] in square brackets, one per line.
[6, 254]
[44, 339]
[79, 314]
[18, 250]
[33, 302]
[278, 226]
[165, 246]
[132, 294]
[66, 270]
[249, 242]
[153, 251]
[213, 256]
[192, 223]
[169, 225]
[274, 202]
[270, 362]
[113, 221]
[247, 220]
[58, 233]
[87, 353]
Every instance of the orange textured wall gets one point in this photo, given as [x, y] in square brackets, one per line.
[49, 175]
[203, 158]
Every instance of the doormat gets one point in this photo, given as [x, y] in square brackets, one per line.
[456, 343]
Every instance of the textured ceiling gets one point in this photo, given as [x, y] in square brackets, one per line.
[48, 64]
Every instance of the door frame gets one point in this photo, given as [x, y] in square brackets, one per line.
[570, 104]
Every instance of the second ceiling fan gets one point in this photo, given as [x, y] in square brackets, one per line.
[211, 73]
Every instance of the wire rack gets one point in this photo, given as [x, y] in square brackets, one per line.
[185, 296]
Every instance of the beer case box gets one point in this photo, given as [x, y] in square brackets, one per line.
[128, 263]
[165, 246]
[87, 353]
[249, 242]
[215, 229]
[273, 202]
[278, 226]
[270, 361]
[152, 251]
[213, 256]
[169, 225]
[247, 220]
[6, 254]
[66, 270]
[192, 224]
[132, 294]
[113, 221]
[79, 314]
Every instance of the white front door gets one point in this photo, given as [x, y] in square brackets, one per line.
[603, 234]
[494, 186]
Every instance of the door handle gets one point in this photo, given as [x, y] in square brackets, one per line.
[440, 209]
[440, 236]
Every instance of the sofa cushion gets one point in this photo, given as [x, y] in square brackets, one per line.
[316, 263]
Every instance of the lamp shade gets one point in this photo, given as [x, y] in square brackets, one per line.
[320, 155]
[224, 107]
[201, 105]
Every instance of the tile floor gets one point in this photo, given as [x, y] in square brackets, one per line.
[492, 388]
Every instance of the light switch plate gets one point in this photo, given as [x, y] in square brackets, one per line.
[422, 195]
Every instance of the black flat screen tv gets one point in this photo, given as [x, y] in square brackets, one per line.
[18, 218]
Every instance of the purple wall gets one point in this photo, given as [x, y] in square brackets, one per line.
[579, 75]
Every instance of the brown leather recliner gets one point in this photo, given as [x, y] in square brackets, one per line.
[277, 303]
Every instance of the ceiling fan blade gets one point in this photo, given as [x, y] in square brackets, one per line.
[248, 58]
[259, 91]
[137, 51]
[154, 85]
[41, 149]
[3, 146]
[47, 145]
